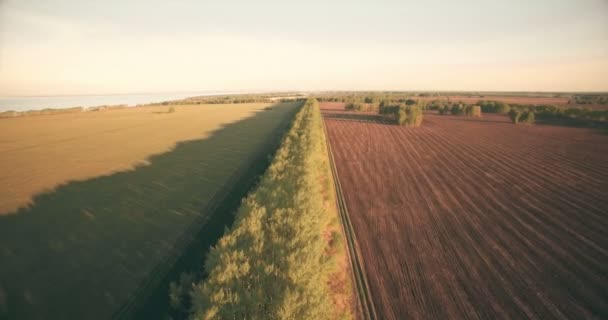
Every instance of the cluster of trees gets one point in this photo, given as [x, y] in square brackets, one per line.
[409, 116]
[525, 117]
[460, 109]
[494, 106]
[272, 263]
[552, 112]
[546, 112]
[404, 114]
[591, 99]
[361, 106]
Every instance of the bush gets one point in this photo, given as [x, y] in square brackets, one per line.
[360, 107]
[386, 109]
[180, 291]
[472, 111]
[351, 106]
[525, 117]
[443, 110]
[410, 102]
[494, 106]
[457, 109]
[171, 110]
[409, 116]
[514, 115]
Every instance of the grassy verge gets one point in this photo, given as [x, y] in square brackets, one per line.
[279, 259]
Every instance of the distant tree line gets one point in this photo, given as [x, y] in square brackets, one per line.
[234, 99]
[590, 99]
[545, 112]
[387, 103]
[11, 113]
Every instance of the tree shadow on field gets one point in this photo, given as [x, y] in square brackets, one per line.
[575, 123]
[98, 248]
[349, 116]
[482, 119]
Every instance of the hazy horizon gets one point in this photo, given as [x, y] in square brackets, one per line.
[68, 47]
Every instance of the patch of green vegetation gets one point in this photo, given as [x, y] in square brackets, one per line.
[409, 116]
[524, 117]
[271, 263]
[494, 106]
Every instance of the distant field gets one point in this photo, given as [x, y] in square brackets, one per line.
[81, 248]
[476, 218]
[41, 152]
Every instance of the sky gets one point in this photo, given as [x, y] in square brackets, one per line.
[57, 47]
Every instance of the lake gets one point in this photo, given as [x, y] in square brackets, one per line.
[37, 103]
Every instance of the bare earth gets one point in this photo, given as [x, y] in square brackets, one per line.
[38, 153]
[477, 218]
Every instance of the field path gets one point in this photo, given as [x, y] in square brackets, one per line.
[477, 218]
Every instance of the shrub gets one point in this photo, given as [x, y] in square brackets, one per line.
[386, 109]
[171, 110]
[352, 106]
[179, 291]
[360, 107]
[472, 111]
[409, 116]
[443, 109]
[494, 106]
[457, 109]
[514, 115]
[525, 117]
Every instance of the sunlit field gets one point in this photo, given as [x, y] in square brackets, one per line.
[111, 196]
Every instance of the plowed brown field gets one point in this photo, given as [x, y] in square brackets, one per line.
[477, 218]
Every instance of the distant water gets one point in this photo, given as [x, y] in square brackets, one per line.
[37, 103]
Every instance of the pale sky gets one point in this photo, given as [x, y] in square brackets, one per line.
[50, 47]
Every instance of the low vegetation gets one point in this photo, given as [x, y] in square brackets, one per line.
[524, 117]
[48, 111]
[360, 107]
[494, 106]
[548, 112]
[273, 262]
[409, 116]
[457, 109]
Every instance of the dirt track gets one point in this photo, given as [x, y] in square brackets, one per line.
[477, 219]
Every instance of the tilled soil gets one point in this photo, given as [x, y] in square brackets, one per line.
[468, 218]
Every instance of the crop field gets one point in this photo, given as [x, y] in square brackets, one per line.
[106, 197]
[467, 218]
[42, 152]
